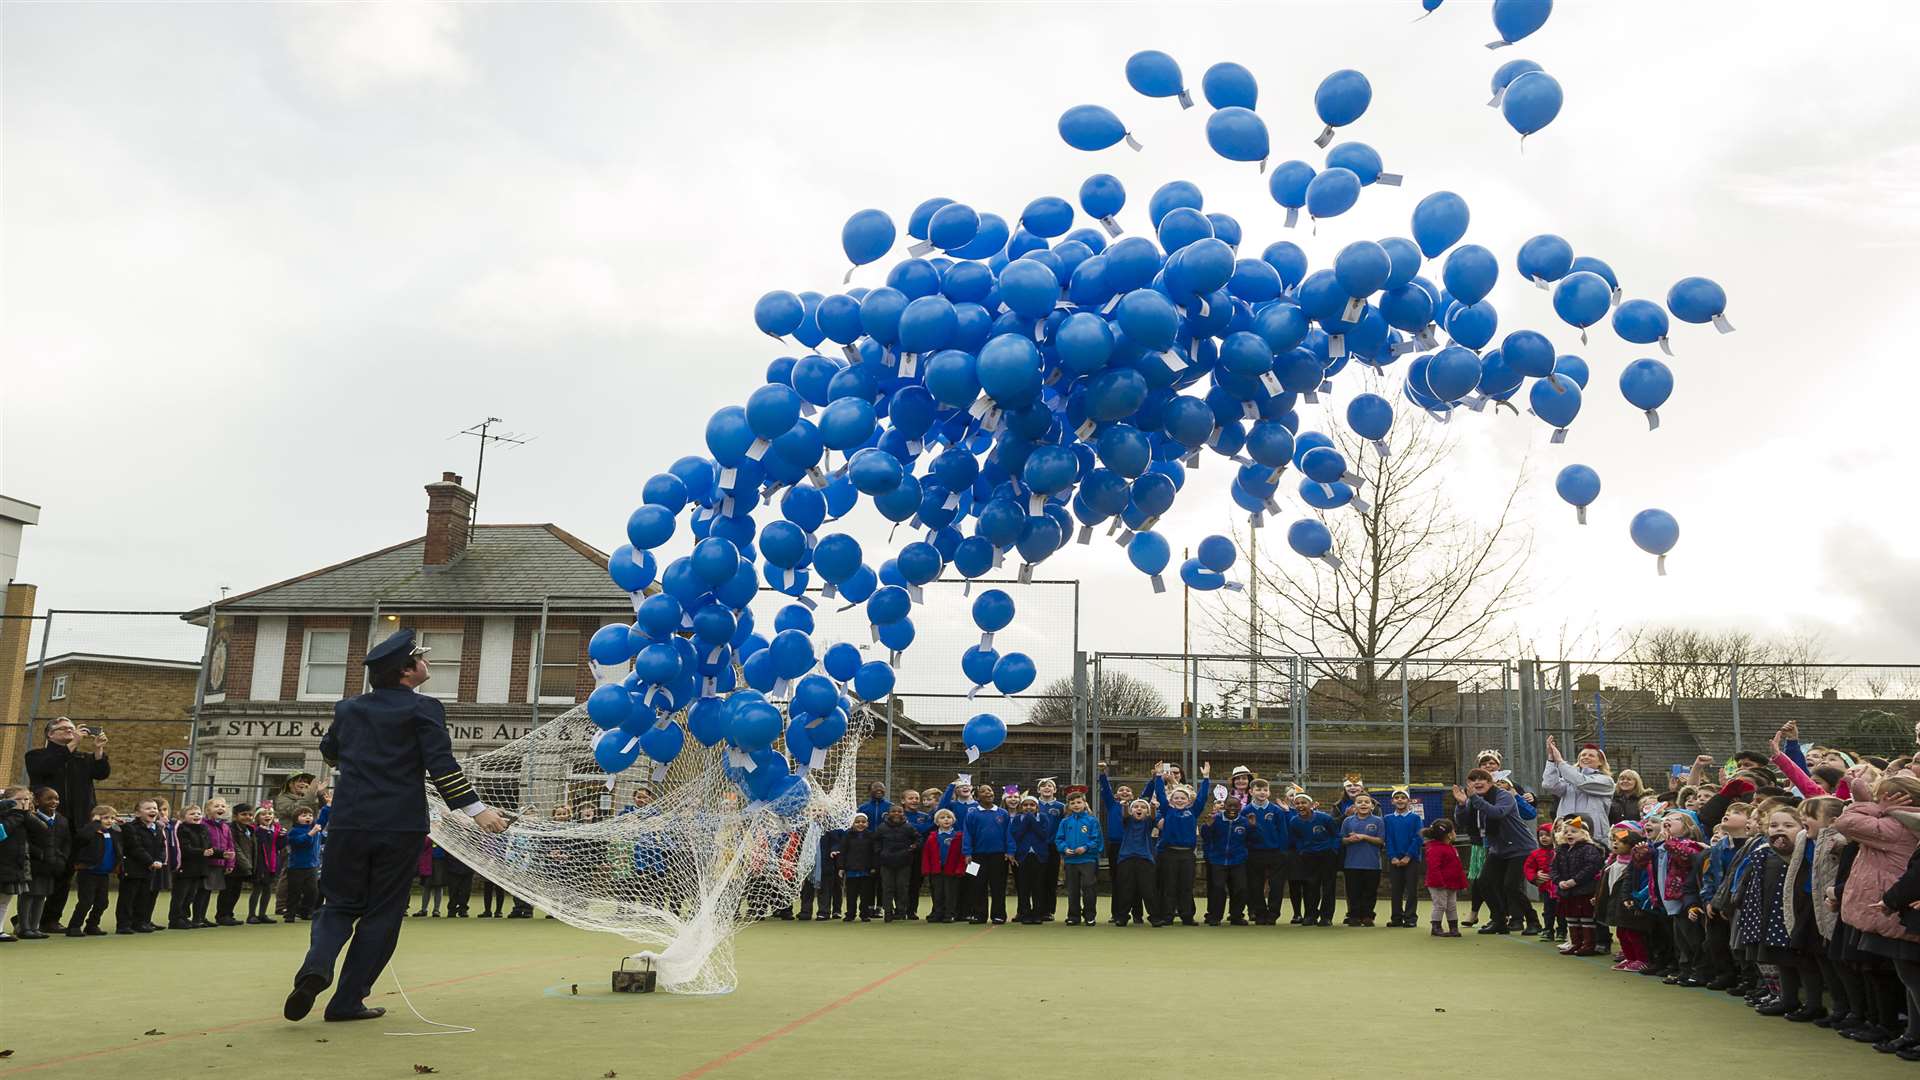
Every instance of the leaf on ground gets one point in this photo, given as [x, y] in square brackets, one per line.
[608, 1075]
[155, 1031]
[319, 1040]
[576, 989]
[1439, 1010]
[6, 1053]
[424, 1069]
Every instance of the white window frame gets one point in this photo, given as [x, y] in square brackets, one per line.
[546, 661]
[445, 683]
[60, 684]
[306, 665]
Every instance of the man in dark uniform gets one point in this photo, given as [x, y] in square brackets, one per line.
[62, 766]
[380, 745]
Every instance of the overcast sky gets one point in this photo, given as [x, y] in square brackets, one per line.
[261, 261]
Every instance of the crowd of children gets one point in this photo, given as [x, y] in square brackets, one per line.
[1793, 880]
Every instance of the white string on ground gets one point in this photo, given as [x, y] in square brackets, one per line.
[450, 1029]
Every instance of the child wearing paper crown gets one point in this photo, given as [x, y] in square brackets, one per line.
[1578, 864]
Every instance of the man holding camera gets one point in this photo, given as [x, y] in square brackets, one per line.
[70, 770]
[380, 745]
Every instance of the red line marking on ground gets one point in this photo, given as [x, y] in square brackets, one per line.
[789, 1028]
[237, 1025]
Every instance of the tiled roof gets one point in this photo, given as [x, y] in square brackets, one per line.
[504, 565]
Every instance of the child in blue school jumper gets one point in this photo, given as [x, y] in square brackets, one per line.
[1316, 839]
[921, 819]
[1077, 842]
[1267, 847]
[876, 806]
[1031, 833]
[1134, 880]
[1053, 810]
[1405, 852]
[1225, 835]
[1179, 810]
[1364, 834]
[1114, 803]
[985, 839]
[303, 866]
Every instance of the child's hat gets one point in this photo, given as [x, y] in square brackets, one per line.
[1494, 754]
[1576, 821]
[1632, 828]
[1240, 770]
[1401, 789]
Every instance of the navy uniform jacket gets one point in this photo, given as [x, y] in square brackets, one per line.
[381, 743]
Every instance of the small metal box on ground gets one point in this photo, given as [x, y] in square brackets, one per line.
[638, 981]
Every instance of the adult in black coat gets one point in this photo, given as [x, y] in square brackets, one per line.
[67, 770]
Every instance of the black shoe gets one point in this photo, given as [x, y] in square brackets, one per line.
[227, 920]
[1492, 928]
[364, 1013]
[1073, 920]
[253, 920]
[822, 917]
[1673, 979]
[999, 920]
[1236, 922]
[52, 926]
[420, 914]
[975, 920]
[34, 935]
[268, 920]
[1297, 921]
[94, 931]
[127, 930]
[1895, 1045]
[300, 1002]
[1871, 1033]
[76, 932]
[1909, 1053]
[1807, 1013]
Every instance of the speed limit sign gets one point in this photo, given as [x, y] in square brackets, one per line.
[173, 766]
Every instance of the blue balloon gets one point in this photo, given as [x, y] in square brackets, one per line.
[715, 560]
[1578, 485]
[984, 733]
[866, 237]
[1646, 384]
[611, 645]
[1582, 298]
[1310, 538]
[827, 730]
[662, 743]
[753, 724]
[1237, 134]
[1342, 97]
[1473, 325]
[1029, 288]
[629, 570]
[973, 557]
[1370, 416]
[1572, 367]
[990, 237]
[889, 604]
[1642, 322]
[977, 664]
[1555, 399]
[1531, 102]
[922, 214]
[897, 636]
[778, 313]
[1288, 183]
[649, 527]
[1515, 19]
[658, 615]
[1323, 464]
[1439, 221]
[1654, 531]
[1102, 195]
[1217, 554]
[1507, 72]
[841, 660]
[1013, 673]
[1325, 496]
[707, 720]
[615, 751]
[1149, 552]
[953, 226]
[1084, 342]
[658, 663]
[1155, 74]
[873, 681]
[836, 557]
[1091, 127]
[1047, 216]
[610, 703]
[873, 472]
[1362, 268]
[1696, 300]
[927, 324]
[782, 544]
[1408, 307]
[1332, 193]
[1228, 84]
[992, 610]
[1358, 158]
[1196, 576]
[1498, 381]
[1453, 373]
[1545, 257]
[1470, 273]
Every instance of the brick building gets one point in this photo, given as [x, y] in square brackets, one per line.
[145, 705]
[506, 609]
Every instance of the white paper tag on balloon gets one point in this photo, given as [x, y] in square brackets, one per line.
[1159, 584]
[757, 448]
[1112, 302]
[1380, 447]
[1125, 537]
[1271, 385]
[1132, 143]
[953, 501]
[1112, 226]
[1336, 345]
[1311, 397]
[1326, 136]
[1113, 526]
[1390, 179]
[1494, 101]
[1256, 520]
[1249, 410]
[1355, 308]
[1664, 346]
[659, 773]
[920, 248]
[1721, 324]
[1273, 507]
[1192, 459]
[1086, 535]
[818, 760]
[909, 364]
[973, 755]
[1653, 420]
[1360, 504]
[1233, 586]
[738, 760]
[1035, 503]
[914, 591]
[1174, 360]
[728, 477]
[1026, 573]
[1559, 436]
[1085, 429]
[979, 408]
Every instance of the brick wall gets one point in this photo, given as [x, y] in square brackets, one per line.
[17, 630]
[241, 633]
[144, 711]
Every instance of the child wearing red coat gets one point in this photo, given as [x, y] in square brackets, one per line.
[1446, 878]
[1537, 871]
[943, 863]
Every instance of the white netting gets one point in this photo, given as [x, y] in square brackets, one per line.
[680, 876]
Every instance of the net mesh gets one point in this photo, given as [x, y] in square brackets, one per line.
[679, 875]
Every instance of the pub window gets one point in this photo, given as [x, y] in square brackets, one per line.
[323, 669]
[560, 666]
[443, 663]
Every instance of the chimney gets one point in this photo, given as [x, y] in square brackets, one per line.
[449, 517]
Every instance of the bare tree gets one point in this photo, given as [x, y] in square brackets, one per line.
[1417, 577]
[1120, 695]
[1672, 663]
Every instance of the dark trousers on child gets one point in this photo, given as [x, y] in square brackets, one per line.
[189, 891]
[1138, 912]
[1719, 950]
[893, 891]
[946, 896]
[56, 900]
[1083, 887]
[89, 901]
[862, 893]
[1265, 886]
[1363, 894]
[1689, 944]
[827, 894]
[230, 896]
[459, 895]
[260, 900]
[1322, 869]
[1134, 886]
[1176, 884]
[1550, 912]
[1226, 893]
[913, 889]
[1026, 886]
[130, 912]
[1050, 886]
[303, 890]
[1403, 890]
[987, 896]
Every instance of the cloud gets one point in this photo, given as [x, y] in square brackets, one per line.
[355, 50]
[1880, 190]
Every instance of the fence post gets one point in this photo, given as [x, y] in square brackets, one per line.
[1298, 693]
[539, 660]
[1506, 710]
[1406, 734]
[1566, 704]
[200, 701]
[888, 778]
[1528, 701]
[1077, 761]
[1733, 699]
[1193, 722]
[1096, 707]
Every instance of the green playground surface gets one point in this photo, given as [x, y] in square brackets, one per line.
[877, 1000]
